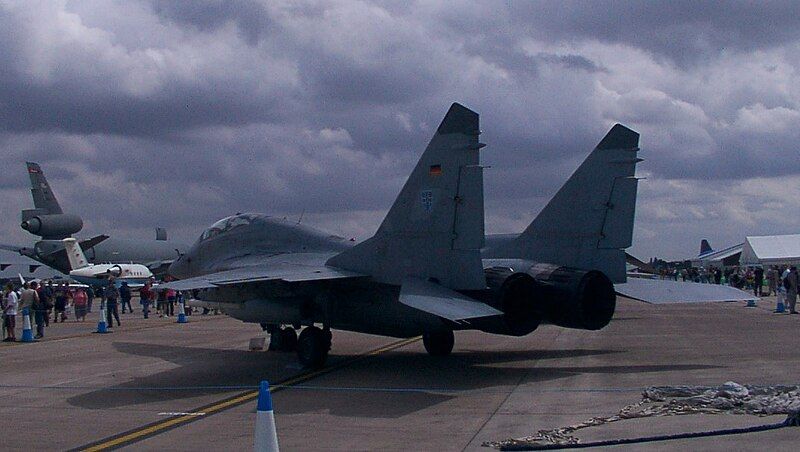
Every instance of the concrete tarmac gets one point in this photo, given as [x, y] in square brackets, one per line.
[76, 389]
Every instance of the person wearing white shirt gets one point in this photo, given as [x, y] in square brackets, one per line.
[10, 311]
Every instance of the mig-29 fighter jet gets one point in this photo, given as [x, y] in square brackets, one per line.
[423, 272]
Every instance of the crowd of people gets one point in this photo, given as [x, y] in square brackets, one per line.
[780, 281]
[54, 302]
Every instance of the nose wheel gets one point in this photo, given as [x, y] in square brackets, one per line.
[438, 343]
[313, 346]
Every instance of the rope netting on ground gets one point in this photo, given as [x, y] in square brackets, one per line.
[730, 398]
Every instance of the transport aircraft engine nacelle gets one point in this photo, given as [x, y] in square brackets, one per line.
[57, 226]
[562, 296]
[115, 271]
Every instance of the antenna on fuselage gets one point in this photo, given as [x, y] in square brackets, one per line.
[300, 220]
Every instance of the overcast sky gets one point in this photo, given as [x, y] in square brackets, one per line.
[174, 114]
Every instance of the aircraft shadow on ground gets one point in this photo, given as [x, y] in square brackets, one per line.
[425, 381]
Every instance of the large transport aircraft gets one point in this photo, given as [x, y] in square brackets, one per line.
[48, 221]
[423, 272]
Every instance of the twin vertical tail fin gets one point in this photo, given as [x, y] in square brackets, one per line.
[75, 254]
[589, 222]
[435, 228]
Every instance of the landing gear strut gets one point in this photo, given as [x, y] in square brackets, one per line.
[313, 346]
[282, 339]
[438, 343]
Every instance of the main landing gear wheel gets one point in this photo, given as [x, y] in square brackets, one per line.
[313, 346]
[438, 343]
[283, 340]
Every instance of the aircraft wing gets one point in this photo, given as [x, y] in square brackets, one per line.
[441, 301]
[271, 270]
[660, 291]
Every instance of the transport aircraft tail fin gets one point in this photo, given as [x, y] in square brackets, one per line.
[43, 197]
[589, 222]
[435, 228]
[75, 254]
[705, 247]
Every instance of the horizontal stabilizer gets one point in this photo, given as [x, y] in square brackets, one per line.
[659, 291]
[441, 301]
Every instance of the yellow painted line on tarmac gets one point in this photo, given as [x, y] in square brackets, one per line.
[161, 426]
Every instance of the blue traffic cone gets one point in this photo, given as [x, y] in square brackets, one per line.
[182, 314]
[266, 437]
[27, 332]
[102, 328]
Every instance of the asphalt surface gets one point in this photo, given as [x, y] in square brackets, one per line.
[156, 385]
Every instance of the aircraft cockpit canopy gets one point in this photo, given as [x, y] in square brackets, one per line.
[229, 223]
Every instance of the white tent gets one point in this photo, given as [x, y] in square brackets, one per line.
[771, 250]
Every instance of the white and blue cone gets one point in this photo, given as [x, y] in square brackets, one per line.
[102, 328]
[182, 313]
[27, 331]
[266, 438]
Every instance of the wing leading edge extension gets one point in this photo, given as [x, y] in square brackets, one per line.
[286, 268]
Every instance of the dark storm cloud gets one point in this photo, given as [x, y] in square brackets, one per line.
[177, 113]
[250, 17]
[572, 62]
[684, 31]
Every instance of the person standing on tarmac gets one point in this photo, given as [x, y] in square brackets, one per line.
[758, 273]
[89, 298]
[30, 300]
[60, 304]
[80, 301]
[145, 298]
[111, 294]
[125, 296]
[170, 306]
[791, 289]
[10, 303]
[161, 306]
[46, 299]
